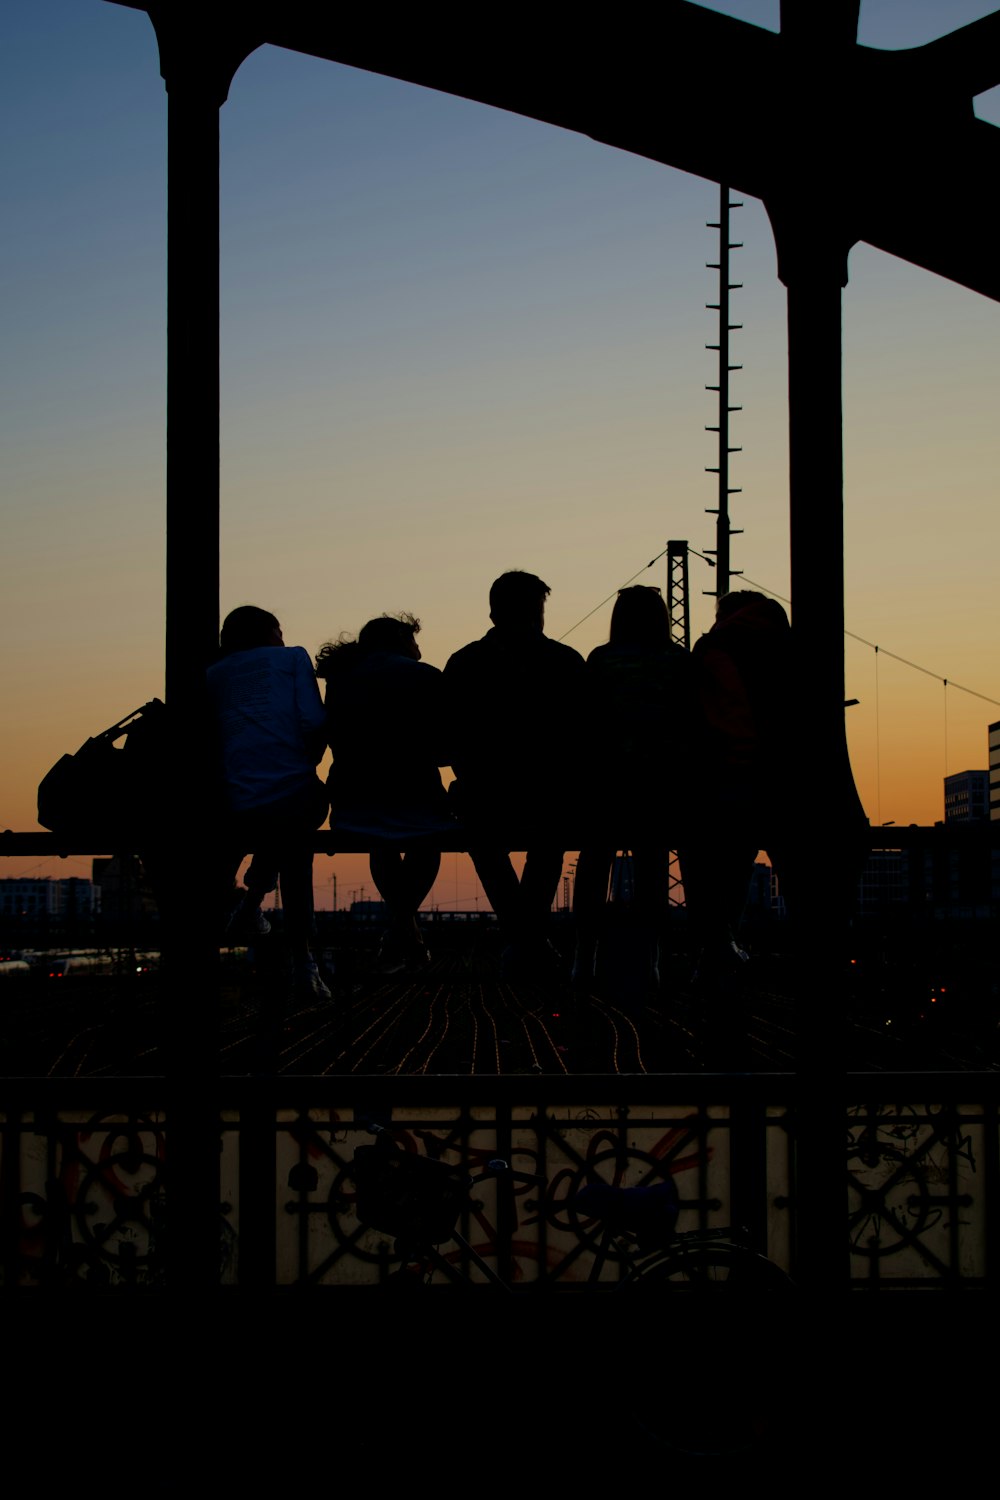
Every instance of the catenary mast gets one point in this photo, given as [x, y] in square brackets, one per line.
[723, 531]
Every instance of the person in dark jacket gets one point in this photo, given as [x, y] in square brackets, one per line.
[513, 698]
[385, 726]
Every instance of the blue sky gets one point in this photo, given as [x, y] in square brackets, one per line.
[454, 341]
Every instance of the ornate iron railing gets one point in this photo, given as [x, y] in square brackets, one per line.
[88, 1199]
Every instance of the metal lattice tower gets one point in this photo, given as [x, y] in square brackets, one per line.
[723, 530]
[678, 606]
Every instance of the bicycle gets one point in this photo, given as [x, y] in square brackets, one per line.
[704, 1258]
[418, 1200]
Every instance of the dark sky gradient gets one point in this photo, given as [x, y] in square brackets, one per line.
[454, 342]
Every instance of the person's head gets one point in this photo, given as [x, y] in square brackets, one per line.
[334, 658]
[517, 600]
[247, 627]
[639, 618]
[759, 607]
[395, 633]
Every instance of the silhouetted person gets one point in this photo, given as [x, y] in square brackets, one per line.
[745, 686]
[638, 725]
[385, 725]
[270, 723]
[513, 698]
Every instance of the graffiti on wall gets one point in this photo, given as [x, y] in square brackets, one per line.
[913, 1209]
[525, 1222]
[90, 1201]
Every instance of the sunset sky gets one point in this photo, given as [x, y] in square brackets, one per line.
[454, 342]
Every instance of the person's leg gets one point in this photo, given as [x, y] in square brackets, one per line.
[652, 879]
[652, 899]
[261, 877]
[403, 878]
[298, 818]
[386, 866]
[590, 895]
[716, 876]
[297, 898]
[246, 920]
[420, 870]
[500, 883]
[539, 883]
[716, 863]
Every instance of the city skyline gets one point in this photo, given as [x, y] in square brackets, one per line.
[454, 341]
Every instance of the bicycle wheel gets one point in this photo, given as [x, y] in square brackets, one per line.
[711, 1267]
[717, 1405]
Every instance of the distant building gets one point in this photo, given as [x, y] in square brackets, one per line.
[885, 882]
[949, 877]
[31, 900]
[967, 796]
[124, 890]
[995, 772]
[369, 912]
[763, 895]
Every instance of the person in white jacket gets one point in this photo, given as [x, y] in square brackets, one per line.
[270, 722]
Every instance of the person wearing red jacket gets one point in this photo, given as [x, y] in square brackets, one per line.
[744, 681]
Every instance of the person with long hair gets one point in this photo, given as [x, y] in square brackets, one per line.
[640, 727]
[744, 676]
[384, 718]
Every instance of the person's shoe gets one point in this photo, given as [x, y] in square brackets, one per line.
[396, 956]
[719, 963]
[584, 971]
[247, 922]
[420, 957]
[391, 958]
[309, 981]
[548, 957]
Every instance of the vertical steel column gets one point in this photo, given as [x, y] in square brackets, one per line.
[813, 235]
[814, 270]
[190, 957]
[198, 57]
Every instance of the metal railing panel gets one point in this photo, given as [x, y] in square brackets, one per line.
[86, 1196]
[917, 1193]
[528, 1232]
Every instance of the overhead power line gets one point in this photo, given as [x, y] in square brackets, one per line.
[881, 650]
[949, 682]
[625, 585]
[618, 590]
